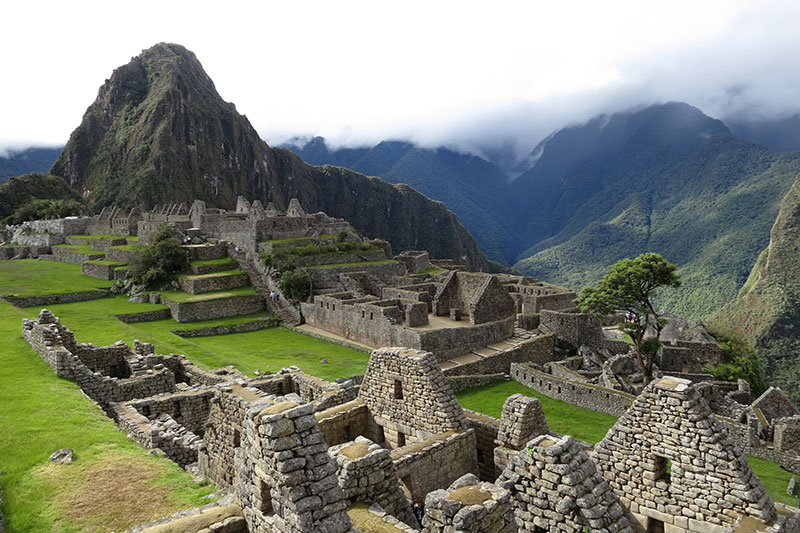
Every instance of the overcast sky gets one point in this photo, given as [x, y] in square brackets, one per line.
[459, 73]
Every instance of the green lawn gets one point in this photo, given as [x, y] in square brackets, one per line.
[561, 416]
[226, 321]
[31, 277]
[80, 249]
[592, 426]
[181, 296]
[105, 237]
[220, 261]
[362, 263]
[233, 272]
[39, 414]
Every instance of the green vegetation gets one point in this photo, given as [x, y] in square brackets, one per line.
[34, 159]
[283, 260]
[298, 239]
[160, 262]
[36, 196]
[432, 270]
[30, 277]
[220, 261]
[361, 263]
[41, 413]
[222, 273]
[296, 284]
[592, 426]
[104, 237]
[774, 478]
[561, 416]
[84, 249]
[631, 285]
[226, 321]
[108, 262]
[739, 361]
[181, 296]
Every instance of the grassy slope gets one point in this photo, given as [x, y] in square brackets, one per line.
[41, 413]
[710, 215]
[47, 413]
[592, 426]
[29, 277]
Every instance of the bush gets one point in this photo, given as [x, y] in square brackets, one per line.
[739, 361]
[296, 284]
[158, 264]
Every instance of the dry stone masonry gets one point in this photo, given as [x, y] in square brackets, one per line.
[671, 462]
[469, 506]
[556, 486]
[522, 419]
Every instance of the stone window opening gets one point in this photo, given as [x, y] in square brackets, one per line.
[655, 526]
[663, 470]
[401, 439]
[333, 307]
[264, 495]
[398, 389]
[363, 314]
[371, 316]
[237, 438]
[480, 455]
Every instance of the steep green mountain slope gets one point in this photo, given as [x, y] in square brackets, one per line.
[17, 162]
[667, 179]
[778, 134]
[159, 132]
[766, 312]
[474, 189]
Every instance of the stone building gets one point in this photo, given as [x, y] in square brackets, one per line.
[672, 464]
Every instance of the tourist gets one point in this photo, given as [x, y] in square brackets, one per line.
[271, 295]
[419, 511]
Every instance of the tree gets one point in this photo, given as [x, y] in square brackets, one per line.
[157, 264]
[631, 286]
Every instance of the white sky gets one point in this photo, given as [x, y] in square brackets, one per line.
[461, 73]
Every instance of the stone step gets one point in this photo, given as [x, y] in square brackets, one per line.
[217, 281]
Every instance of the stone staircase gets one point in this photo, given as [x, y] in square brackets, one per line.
[249, 262]
[514, 341]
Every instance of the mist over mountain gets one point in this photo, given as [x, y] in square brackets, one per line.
[34, 159]
[159, 132]
[778, 134]
[664, 178]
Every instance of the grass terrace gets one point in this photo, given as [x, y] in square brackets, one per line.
[79, 249]
[106, 262]
[233, 272]
[31, 277]
[181, 296]
[40, 414]
[362, 263]
[592, 426]
[105, 237]
[299, 239]
[220, 261]
[128, 247]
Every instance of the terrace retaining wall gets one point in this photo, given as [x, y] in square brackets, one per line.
[216, 308]
[50, 299]
[261, 323]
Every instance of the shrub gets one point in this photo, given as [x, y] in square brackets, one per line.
[739, 361]
[160, 263]
[296, 284]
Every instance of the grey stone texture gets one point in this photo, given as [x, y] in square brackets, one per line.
[480, 297]
[555, 486]
[52, 299]
[469, 506]
[522, 419]
[215, 308]
[710, 480]
[773, 403]
[486, 429]
[367, 474]
[213, 282]
[406, 393]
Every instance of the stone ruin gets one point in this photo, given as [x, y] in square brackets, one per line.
[296, 451]
[671, 462]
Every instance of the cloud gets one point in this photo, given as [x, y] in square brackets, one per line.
[454, 73]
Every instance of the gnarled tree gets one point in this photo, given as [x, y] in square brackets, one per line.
[631, 286]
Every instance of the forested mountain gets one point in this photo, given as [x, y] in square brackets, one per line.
[159, 132]
[17, 162]
[766, 312]
[665, 178]
[474, 189]
[778, 134]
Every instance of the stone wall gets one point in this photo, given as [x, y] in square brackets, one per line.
[255, 325]
[61, 226]
[787, 435]
[773, 403]
[555, 486]
[176, 441]
[538, 350]
[579, 329]
[52, 299]
[213, 282]
[408, 396]
[414, 260]
[481, 297]
[435, 462]
[11, 251]
[367, 474]
[522, 420]
[189, 408]
[459, 383]
[122, 255]
[327, 279]
[687, 471]
[98, 270]
[577, 393]
[455, 510]
[69, 255]
[216, 308]
[486, 428]
[285, 478]
[344, 422]
[48, 338]
[450, 342]
[146, 316]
